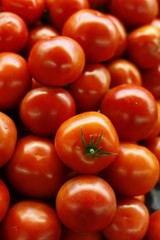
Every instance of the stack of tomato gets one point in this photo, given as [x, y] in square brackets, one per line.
[79, 119]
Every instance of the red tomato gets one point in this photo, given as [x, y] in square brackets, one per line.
[56, 61]
[86, 204]
[13, 32]
[153, 232]
[31, 220]
[90, 142]
[143, 46]
[89, 89]
[132, 109]
[61, 10]
[4, 199]
[130, 221]
[35, 169]
[135, 170]
[8, 138]
[30, 10]
[95, 32]
[15, 79]
[43, 110]
[134, 12]
[123, 71]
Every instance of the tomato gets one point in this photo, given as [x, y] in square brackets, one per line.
[4, 199]
[61, 10]
[135, 170]
[153, 231]
[123, 71]
[30, 10]
[130, 221]
[89, 89]
[31, 220]
[44, 109]
[86, 204]
[134, 12]
[143, 46]
[15, 79]
[95, 32]
[13, 32]
[132, 109]
[56, 61]
[8, 138]
[90, 142]
[35, 169]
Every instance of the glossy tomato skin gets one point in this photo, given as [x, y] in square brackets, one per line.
[94, 203]
[8, 138]
[133, 158]
[44, 109]
[35, 169]
[143, 46]
[132, 110]
[15, 79]
[130, 221]
[153, 231]
[30, 10]
[61, 10]
[31, 220]
[56, 61]
[74, 154]
[89, 89]
[4, 199]
[95, 32]
[123, 71]
[13, 32]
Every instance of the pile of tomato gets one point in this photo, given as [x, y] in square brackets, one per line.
[79, 119]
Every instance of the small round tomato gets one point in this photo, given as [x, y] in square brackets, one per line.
[123, 71]
[13, 32]
[86, 203]
[153, 144]
[143, 46]
[4, 199]
[135, 170]
[90, 142]
[44, 109]
[89, 89]
[35, 169]
[61, 10]
[30, 10]
[153, 231]
[95, 32]
[132, 110]
[8, 138]
[15, 80]
[56, 61]
[130, 221]
[31, 220]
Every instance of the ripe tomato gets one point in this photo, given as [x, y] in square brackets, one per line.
[4, 199]
[89, 89]
[13, 32]
[153, 231]
[15, 79]
[95, 32]
[123, 71]
[130, 221]
[44, 109]
[35, 169]
[143, 46]
[8, 138]
[132, 109]
[30, 10]
[90, 142]
[31, 220]
[135, 170]
[86, 203]
[56, 61]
